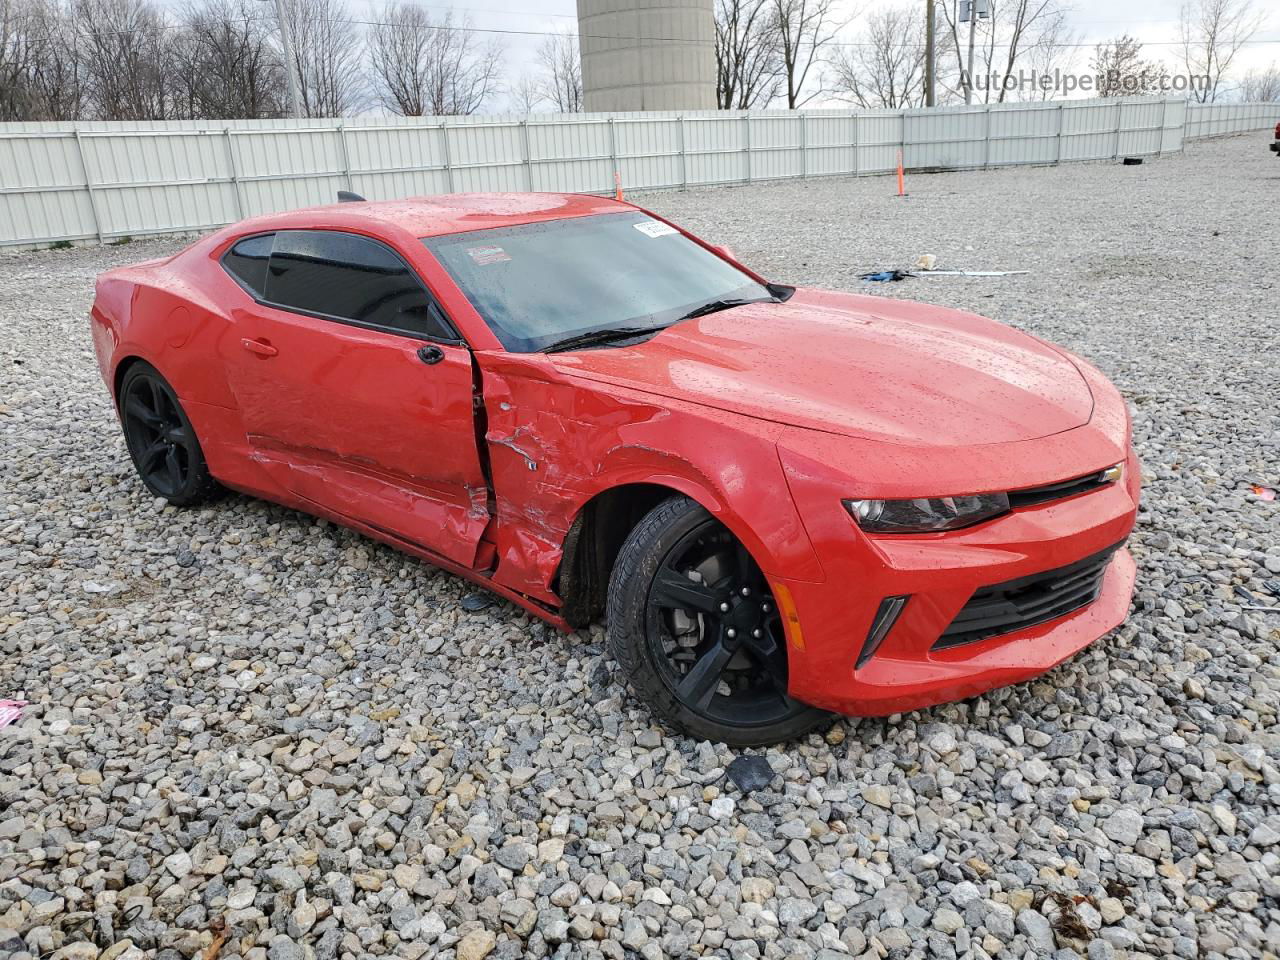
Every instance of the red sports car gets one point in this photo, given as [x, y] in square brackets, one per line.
[785, 502]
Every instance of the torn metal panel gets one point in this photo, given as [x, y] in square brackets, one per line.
[584, 438]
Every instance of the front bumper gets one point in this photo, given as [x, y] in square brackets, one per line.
[939, 573]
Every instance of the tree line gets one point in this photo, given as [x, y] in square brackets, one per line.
[224, 59]
[796, 52]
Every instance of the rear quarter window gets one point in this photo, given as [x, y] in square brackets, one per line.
[247, 262]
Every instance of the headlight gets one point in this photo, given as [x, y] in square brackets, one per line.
[926, 515]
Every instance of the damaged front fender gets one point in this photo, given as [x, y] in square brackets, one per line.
[557, 443]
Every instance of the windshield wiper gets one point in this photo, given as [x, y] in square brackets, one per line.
[595, 338]
[715, 306]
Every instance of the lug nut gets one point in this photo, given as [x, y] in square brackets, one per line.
[731, 633]
[756, 633]
[724, 608]
[764, 607]
[746, 591]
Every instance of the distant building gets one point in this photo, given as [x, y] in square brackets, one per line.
[647, 54]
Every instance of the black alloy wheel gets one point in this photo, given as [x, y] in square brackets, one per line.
[694, 624]
[162, 443]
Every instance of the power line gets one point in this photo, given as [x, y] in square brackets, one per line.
[511, 31]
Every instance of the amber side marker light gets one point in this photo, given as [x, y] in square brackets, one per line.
[790, 618]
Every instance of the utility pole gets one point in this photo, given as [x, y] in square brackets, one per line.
[973, 20]
[971, 10]
[929, 57]
[290, 66]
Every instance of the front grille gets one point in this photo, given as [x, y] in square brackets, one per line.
[1027, 601]
[1058, 491]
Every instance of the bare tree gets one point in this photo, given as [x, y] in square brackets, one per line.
[748, 54]
[886, 69]
[1212, 33]
[55, 78]
[1056, 48]
[1261, 86]
[18, 43]
[526, 95]
[423, 67]
[1005, 40]
[560, 83]
[1121, 70]
[326, 55]
[128, 53]
[235, 69]
[805, 28]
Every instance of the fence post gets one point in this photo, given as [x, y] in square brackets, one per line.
[902, 137]
[448, 164]
[1164, 114]
[346, 157]
[88, 186]
[804, 145]
[684, 156]
[746, 118]
[235, 172]
[1115, 153]
[528, 154]
[1058, 158]
[613, 150]
[856, 147]
[986, 138]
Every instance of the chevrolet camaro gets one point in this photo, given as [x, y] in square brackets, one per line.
[784, 502]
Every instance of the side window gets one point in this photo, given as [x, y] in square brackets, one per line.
[247, 262]
[351, 278]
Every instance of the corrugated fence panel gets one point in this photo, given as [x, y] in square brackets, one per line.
[879, 139]
[269, 196]
[393, 185]
[395, 148]
[287, 152]
[36, 161]
[149, 157]
[1089, 130]
[135, 211]
[950, 140]
[830, 145]
[103, 179]
[1027, 134]
[46, 217]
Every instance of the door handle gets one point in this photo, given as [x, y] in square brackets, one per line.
[430, 355]
[260, 347]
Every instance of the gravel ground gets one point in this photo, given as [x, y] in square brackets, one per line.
[248, 721]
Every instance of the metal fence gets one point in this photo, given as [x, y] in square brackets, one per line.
[106, 180]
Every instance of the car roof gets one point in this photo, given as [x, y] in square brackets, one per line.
[443, 214]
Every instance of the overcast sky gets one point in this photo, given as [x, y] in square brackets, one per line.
[1155, 22]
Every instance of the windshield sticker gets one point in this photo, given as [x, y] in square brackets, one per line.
[652, 228]
[484, 256]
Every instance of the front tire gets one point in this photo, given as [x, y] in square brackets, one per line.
[161, 440]
[693, 625]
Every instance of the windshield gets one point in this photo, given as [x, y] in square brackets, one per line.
[540, 283]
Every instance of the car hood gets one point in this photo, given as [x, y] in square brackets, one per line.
[862, 366]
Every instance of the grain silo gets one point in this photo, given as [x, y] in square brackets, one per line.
[647, 54]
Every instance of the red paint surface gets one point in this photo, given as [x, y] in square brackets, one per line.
[768, 415]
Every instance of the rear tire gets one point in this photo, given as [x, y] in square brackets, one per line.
[162, 442]
[693, 626]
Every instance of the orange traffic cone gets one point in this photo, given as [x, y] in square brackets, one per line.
[901, 184]
[617, 185]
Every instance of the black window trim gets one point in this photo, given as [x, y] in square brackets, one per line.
[457, 340]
